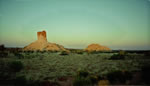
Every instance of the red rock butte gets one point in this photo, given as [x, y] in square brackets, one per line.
[97, 47]
[42, 44]
[42, 35]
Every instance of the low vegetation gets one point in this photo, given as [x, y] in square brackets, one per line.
[120, 56]
[64, 53]
[76, 68]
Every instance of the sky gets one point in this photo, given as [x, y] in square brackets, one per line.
[117, 24]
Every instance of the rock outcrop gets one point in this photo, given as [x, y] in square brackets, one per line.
[97, 47]
[42, 44]
[41, 36]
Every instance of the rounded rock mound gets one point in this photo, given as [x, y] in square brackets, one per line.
[97, 47]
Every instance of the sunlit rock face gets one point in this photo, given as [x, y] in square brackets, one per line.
[41, 36]
[42, 44]
[97, 47]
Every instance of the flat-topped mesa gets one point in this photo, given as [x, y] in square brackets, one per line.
[41, 36]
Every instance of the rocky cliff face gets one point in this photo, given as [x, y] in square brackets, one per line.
[42, 36]
[97, 47]
[42, 44]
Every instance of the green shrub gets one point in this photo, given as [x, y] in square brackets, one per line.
[121, 52]
[18, 55]
[82, 81]
[16, 66]
[29, 51]
[44, 51]
[94, 79]
[83, 73]
[52, 51]
[41, 57]
[38, 51]
[116, 57]
[93, 52]
[121, 55]
[79, 51]
[64, 53]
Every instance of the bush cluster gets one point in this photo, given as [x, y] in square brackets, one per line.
[79, 52]
[18, 55]
[16, 66]
[83, 78]
[120, 56]
[64, 53]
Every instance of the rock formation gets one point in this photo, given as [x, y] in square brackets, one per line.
[97, 47]
[42, 44]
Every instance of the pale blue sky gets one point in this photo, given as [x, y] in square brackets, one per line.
[118, 24]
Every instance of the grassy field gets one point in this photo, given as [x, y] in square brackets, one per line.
[74, 68]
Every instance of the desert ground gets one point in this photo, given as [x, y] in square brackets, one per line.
[74, 68]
